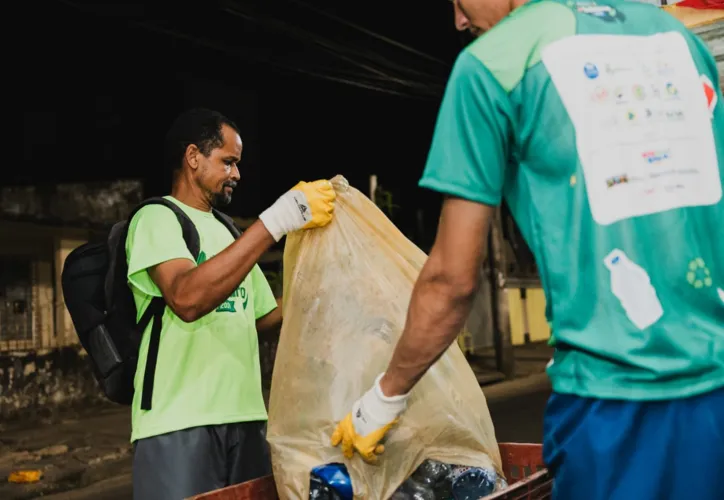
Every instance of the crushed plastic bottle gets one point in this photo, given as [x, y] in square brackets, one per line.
[472, 483]
[431, 472]
[333, 477]
[501, 484]
[320, 491]
[412, 490]
[432, 480]
[435, 475]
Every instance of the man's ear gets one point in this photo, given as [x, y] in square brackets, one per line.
[192, 156]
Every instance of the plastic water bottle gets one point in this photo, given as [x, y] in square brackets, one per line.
[631, 284]
[472, 483]
[320, 491]
[435, 475]
[412, 490]
[431, 472]
[335, 478]
[501, 484]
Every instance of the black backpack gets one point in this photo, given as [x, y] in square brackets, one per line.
[103, 311]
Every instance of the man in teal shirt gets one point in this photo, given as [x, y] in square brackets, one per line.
[601, 124]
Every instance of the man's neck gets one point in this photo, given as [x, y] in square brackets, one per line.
[190, 194]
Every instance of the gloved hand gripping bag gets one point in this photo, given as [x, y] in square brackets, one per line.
[346, 291]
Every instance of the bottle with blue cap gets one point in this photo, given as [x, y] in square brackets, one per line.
[330, 482]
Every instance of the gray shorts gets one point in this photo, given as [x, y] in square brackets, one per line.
[184, 463]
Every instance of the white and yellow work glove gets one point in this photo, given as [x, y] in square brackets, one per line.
[371, 418]
[307, 205]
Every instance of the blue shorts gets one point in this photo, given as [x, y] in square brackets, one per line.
[625, 450]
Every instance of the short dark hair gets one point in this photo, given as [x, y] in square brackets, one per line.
[199, 126]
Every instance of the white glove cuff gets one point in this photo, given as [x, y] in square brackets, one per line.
[289, 213]
[270, 219]
[379, 409]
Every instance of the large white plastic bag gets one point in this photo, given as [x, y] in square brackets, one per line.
[346, 291]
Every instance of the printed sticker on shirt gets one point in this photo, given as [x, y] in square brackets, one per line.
[631, 285]
[710, 94]
[600, 10]
[643, 125]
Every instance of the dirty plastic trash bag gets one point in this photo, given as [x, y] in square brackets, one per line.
[346, 291]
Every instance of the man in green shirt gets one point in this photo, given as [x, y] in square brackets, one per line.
[206, 428]
[601, 123]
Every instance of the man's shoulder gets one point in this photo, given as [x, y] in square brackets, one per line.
[154, 224]
[153, 214]
[515, 44]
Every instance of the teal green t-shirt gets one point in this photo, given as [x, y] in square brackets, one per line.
[602, 125]
[208, 371]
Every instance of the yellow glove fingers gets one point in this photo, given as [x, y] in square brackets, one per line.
[369, 447]
[369, 458]
[347, 445]
[336, 436]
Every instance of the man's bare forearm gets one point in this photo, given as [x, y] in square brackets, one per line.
[443, 294]
[438, 310]
[202, 289]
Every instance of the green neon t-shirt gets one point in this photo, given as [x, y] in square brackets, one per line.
[208, 371]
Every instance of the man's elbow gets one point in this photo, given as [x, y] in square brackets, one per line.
[184, 305]
[456, 287]
[188, 313]
[460, 291]
[181, 296]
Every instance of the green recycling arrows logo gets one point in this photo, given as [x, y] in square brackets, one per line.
[698, 275]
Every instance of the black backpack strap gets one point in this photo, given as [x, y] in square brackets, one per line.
[188, 229]
[156, 308]
[228, 222]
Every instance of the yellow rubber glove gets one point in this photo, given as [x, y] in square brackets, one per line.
[363, 429]
[307, 205]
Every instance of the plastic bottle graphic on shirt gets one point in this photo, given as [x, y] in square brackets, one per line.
[631, 284]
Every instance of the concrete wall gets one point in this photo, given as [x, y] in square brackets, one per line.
[48, 370]
[35, 384]
[64, 331]
[75, 205]
[46, 248]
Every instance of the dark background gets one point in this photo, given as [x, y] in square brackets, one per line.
[318, 88]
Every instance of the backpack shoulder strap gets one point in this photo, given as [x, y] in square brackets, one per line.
[154, 311]
[228, 222]
[188, 229]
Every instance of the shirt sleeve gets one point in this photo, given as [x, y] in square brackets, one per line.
[264, 300]
[154, 236]
[470, 145]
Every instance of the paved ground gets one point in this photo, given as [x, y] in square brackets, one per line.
[86, 455]
[73, 449]
[115, 488]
